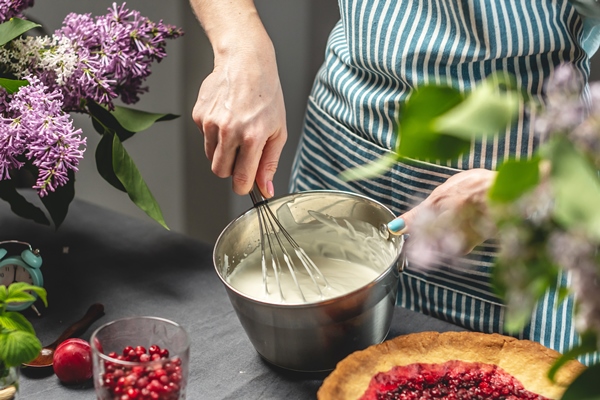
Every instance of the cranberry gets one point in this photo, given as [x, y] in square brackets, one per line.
[72, 361]
[456, 380]
[159, 377]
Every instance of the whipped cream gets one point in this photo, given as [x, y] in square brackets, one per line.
[347, 254]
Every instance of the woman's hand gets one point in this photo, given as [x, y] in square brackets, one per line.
[458, 206]
[240, 108]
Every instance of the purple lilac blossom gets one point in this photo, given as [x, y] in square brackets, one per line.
[36, 126]
[586, 136]
[13, 8]
[574, 252]
[115, 54]
[564, 109]
[430, 244]
[12, 141]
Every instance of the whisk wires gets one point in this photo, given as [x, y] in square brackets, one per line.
[273, 249]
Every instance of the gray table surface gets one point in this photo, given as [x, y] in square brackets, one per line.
[135, 267]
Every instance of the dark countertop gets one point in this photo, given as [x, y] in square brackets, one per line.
[135, 267]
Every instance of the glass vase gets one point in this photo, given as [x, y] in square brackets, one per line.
[9, 382]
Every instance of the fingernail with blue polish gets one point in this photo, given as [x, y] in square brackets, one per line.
[396, 225]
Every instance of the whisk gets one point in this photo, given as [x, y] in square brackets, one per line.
[273, 249]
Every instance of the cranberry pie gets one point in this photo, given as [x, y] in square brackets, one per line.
[451, 365]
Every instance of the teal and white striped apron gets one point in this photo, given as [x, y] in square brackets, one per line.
[376, 54]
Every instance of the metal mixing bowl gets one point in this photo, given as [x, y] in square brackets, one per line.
[315, 336]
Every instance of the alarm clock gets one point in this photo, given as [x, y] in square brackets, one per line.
[20, 268]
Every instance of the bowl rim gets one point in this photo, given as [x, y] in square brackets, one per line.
[319, 303]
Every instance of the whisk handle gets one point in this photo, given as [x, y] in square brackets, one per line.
[256, 196]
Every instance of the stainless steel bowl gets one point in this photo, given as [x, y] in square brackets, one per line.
[315, 336]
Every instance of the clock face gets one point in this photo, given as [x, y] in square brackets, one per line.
[10, 273]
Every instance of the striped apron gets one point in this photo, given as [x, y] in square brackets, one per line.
[377, 53]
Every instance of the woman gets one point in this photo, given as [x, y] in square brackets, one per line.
[377, 53]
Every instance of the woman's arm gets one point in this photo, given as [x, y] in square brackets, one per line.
[240, 108]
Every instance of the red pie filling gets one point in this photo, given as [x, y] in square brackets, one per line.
[450, 380]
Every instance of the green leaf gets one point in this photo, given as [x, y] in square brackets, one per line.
[486, 110]
[20, 297]
[12, 85]
[104, 121]
[13, 28]
[57, 202]
[136, 121]
[19, 291]
[104, 160]
[3, 293]
[576, 187]
[19, 205]
[521, 283]
[585, 386]
[18, 347]
[373, 169]
[133, 182]
[419, 138]
[587, 345]
[15, 321]
[124, 121]
[515, 177]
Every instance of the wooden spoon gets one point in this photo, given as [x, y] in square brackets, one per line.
[44, 359]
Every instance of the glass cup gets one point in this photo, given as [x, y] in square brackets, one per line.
[140, 358]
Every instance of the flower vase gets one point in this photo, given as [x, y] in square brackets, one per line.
[9, 383]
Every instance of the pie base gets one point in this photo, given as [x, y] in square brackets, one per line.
[527, 361]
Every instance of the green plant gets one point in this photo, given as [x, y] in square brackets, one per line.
[18, 342]
[545, 209]
[84, 67]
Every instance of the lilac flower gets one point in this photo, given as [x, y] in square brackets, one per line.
[574, 252]
[115, 54]
[430, 244]
[101, 58]
[12, 143]
[37, 128]
[569, 113]
[13, 8]
[586, 136]
[564, 109]
[51, 59]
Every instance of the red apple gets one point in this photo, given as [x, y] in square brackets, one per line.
[72, 361]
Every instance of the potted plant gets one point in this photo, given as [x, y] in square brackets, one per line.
[18, 342]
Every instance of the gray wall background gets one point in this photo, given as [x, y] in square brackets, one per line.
[170, 155]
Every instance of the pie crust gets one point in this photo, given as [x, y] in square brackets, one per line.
[526, 361]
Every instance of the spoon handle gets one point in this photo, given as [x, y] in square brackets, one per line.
[92, 315]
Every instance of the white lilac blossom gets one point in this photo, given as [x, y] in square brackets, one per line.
[36, 128]
[53, 59]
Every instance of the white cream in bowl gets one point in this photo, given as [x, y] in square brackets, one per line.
[349, 253]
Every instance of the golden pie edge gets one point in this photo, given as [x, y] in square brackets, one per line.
[526, 360]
